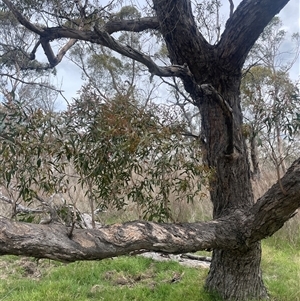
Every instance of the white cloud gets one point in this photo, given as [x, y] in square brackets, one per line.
[69, 77]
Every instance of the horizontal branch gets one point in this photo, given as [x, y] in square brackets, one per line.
[102, 37]
[50, 34]
[53, 241]
[18, 207]
[137, 25]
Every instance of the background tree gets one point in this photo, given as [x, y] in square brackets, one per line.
[23, 78]
[119, 151]
[272, 120]
[211, 74]
[270, 98]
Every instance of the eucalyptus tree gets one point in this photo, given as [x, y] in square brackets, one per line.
[270, 98]
[211, 75]
[271, 106]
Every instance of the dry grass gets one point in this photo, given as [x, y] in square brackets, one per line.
[261, 186]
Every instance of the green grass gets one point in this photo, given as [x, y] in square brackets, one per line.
[124, 278]
[281, 271]
[138, 278]
[281, 262]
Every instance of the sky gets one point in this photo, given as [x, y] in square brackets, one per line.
[290, 16]
[69, 76]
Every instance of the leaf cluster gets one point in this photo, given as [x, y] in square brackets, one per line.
[28, 149]
[271, 99]
[120, 153]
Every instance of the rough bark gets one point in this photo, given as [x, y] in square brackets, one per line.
[244, 285]
[244, 28]
[53, 241]
[231, 189]
[276, 206]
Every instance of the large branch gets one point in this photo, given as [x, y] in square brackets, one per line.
[101, 35]
[184, 41]
[103, 38]
[50, 34]
[53, 241]
[23, 20]
[244, 27]
[137, 25]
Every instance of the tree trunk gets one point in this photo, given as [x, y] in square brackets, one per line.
[234, 274]
[217, 71]
[254, 156]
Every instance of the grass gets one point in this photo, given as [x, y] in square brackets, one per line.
[282, 273]
[281, 263]
[138, 278]
[123, 278]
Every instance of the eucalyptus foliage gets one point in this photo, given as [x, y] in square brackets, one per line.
[120, 153]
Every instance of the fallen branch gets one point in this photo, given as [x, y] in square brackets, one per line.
[196, 257]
